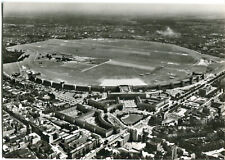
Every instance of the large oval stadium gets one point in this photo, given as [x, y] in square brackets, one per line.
[109, 62]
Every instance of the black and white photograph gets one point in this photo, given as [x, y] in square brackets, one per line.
[98, 79]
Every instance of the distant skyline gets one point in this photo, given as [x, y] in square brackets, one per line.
[130, 9]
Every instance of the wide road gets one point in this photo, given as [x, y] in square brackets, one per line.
[196, 89]
[202, 85]
[112, 139]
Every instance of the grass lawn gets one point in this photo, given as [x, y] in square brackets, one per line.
[150, 62]
[131, 118]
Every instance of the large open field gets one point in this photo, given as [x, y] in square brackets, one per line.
[131, 118]
[141, 61]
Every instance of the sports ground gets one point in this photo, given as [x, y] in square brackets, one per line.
[131, 62]
[132, 118]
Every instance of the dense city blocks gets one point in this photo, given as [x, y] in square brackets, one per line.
[90, 88]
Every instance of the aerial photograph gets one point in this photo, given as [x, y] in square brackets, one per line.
[113, 80]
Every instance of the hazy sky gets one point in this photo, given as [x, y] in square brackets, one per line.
[28, 9]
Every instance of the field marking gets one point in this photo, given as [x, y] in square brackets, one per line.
[86, 69]
[124, 64]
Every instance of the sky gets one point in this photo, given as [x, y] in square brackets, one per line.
[139, 9]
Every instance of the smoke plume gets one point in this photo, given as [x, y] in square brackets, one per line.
[168, 32]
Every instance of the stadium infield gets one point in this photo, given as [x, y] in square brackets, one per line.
[143, 61]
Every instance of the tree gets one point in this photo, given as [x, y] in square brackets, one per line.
[120, 107]
[206, 110]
